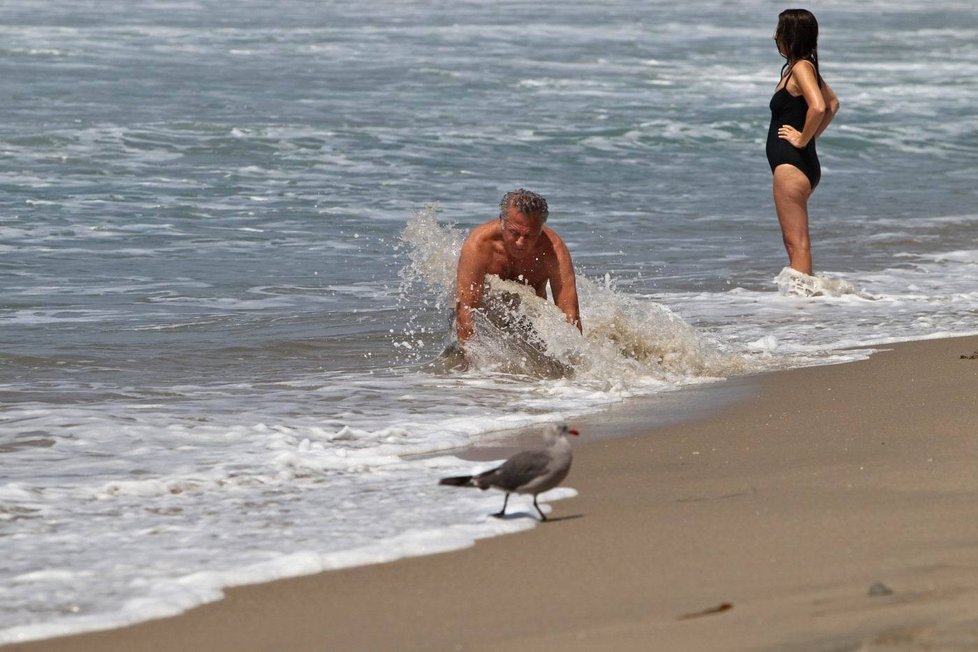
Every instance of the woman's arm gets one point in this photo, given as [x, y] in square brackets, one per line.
[831, 107]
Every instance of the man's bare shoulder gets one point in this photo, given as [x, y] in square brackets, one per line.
[483, 235]
[554, 241]
[554, 252]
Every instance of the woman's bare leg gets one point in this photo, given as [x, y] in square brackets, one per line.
[791, 193]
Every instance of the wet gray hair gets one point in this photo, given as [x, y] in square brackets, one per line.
[525, 202]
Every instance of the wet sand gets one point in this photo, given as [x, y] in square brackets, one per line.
[830, 508]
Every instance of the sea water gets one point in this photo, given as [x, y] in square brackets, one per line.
[229, 230]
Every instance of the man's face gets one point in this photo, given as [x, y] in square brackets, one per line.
[520, 233]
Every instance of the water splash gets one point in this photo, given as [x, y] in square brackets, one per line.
[433, 251]
[427, 289]
[647, 338]
[627, 340]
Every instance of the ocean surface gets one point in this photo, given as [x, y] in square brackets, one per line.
[228, 233]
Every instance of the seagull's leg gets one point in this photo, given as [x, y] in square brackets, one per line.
[501, 513]
[542, 515]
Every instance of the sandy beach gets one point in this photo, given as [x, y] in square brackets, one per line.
[830, 508]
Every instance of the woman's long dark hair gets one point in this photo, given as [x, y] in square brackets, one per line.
[797, 38]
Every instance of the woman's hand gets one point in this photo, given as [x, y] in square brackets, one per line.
[792, 135]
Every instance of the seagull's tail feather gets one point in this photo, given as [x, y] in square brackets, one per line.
[483, 481]
[459, 481]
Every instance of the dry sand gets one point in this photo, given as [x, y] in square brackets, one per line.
[765, 525]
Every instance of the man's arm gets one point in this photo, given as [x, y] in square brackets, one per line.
[469, 282]
[563, 283]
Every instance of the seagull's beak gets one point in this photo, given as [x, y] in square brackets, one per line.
[571, 431]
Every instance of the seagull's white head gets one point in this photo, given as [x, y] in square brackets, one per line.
[556, 431]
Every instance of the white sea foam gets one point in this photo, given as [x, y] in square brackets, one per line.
[158, 593]
[794, 283]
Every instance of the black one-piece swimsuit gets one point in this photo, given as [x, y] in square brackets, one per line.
[786, 109]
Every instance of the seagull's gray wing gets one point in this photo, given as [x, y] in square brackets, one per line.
[517, 470]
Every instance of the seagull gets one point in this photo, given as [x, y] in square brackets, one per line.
[527, 472]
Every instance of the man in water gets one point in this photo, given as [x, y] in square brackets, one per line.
[516, 247]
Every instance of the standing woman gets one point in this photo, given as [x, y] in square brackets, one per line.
[802, 107]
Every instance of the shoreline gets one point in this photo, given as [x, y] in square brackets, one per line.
[788, 503]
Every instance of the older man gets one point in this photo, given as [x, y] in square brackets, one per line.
[515, 247]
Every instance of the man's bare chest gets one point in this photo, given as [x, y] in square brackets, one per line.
[531, 270]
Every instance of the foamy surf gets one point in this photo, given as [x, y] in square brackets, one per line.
[792, 283]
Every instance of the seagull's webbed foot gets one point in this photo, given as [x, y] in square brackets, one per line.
[502, 513]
